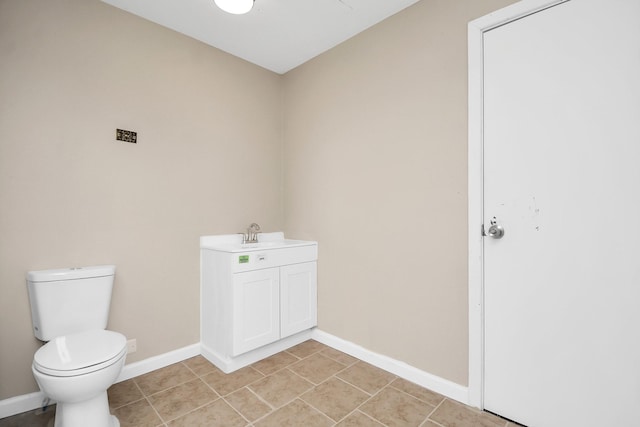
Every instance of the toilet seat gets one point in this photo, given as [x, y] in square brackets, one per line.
[81, 353]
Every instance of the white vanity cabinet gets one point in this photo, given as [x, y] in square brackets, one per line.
[256, 309]
[256, 299]
[298, 298]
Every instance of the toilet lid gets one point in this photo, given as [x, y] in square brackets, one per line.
[80, 353]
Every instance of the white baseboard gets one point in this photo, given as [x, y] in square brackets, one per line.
[156, 362]
[228, 364]
[31, 401]
[22, 403]
[432, 382]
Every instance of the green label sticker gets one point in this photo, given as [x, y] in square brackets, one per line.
[243, 259]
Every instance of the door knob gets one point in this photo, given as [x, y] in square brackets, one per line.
[495, 231]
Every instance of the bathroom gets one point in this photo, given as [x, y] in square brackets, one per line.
[363, 148]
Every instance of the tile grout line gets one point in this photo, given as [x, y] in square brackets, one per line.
[168, 388]
[390, 386]
[272, 407]
[364, 391]
[234, 409]
[200, 370]
[336, 359]
[115, 408]
[197, 377]
[275, 410]
[279, 369]
[333, 376]
[372, 396]
[219, 396]
[149, 402]
[289, 366]
[311, 405]
[321, 382]
[369, 395]
[424, 423]
[318, 410]
[312, 385]
[191, 411]
[260, 397]
[287, 402]
[434, 411]
[357, 409]
[353, 385]
[298, 396]
[412, 395]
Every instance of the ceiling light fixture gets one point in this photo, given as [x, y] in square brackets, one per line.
[236, 7]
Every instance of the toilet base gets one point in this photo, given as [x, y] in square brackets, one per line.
[94, 412]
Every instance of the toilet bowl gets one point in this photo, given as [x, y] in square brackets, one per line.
[75, 371]
[82, 359]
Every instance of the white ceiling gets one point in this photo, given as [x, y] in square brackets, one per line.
[278, 35]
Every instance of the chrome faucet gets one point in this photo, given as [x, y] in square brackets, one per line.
[251, 236]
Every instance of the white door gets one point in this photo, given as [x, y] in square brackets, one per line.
[298, 298]
[256, 309]
[562, 177]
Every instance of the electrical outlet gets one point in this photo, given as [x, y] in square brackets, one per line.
[127, 136]
[132, 346]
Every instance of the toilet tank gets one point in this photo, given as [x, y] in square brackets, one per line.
[69, 300]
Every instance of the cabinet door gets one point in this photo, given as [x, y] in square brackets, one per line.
[256, 309]
[298, 298]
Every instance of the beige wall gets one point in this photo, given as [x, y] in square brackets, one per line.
[374, 169]
[208, 161]
[375, 163]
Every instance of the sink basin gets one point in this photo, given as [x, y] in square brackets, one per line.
[268, 245]
[233, 242]
[261, 245]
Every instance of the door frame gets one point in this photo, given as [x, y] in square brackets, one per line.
[476, 30]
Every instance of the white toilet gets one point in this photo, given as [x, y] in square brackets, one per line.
[70, 309]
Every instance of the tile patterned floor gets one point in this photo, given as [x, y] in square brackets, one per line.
[308, 385]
